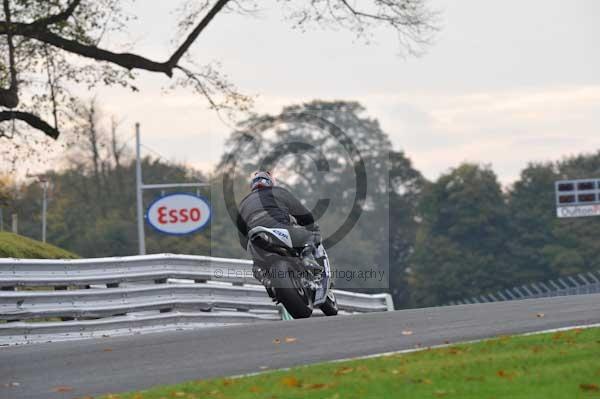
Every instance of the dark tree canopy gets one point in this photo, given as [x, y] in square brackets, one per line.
[311, 157]
[461, 241]
[49, 45]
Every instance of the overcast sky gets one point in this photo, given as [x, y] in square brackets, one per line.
[506, 82]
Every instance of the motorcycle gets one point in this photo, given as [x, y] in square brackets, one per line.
[279, 267]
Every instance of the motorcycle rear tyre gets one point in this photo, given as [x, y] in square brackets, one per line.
[296, 299]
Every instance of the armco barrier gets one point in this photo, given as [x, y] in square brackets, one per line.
[50, 300]
[581, 284]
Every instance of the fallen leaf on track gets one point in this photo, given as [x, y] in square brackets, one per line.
[455, 351]
[290, 381]
[589, 387]
[426, 381]
[557, 336]
[317, 386]
[505, 374]
[107, 350]
[62, 388]
[537, 349]
[344, 370]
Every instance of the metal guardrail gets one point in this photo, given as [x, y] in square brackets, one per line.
[49, 300]
[35, 272]
[583, 283]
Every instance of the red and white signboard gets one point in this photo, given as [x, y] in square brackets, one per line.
[179, 214]
[578, 211]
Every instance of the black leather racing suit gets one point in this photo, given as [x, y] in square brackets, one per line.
[272, 207]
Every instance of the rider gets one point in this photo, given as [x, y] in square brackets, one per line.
[271, 206]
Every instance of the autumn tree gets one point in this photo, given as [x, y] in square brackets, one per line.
[6, 189]
[461, 243]
[51, 45]
[545, 246]
[341, 163]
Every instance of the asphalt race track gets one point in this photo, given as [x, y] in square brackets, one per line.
[111, 365]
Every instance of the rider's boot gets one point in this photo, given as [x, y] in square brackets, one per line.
[258, 272]
[308, 258]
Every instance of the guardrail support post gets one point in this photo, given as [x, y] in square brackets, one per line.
[389, 302]
[63, 288]
[510, 294]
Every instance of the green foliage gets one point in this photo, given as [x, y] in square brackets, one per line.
[98, 221]
[546, 246]
[16, 246]
[474, 239]
[316, 161]
[461, 241]
[5, 190]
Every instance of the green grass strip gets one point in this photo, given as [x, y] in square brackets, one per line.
[554, 365]
[16, 246]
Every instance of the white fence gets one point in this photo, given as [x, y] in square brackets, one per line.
[50, 300]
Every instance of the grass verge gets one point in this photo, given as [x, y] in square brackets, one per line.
[16, 246]
[554, 365]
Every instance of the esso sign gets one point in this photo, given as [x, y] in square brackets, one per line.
[178, 214]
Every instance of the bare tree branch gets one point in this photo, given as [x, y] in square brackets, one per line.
[10, 98]
[37, 30]
[32, 120]
[125, 60]
[196, 32]
[60, 17]
[51, 85]
[70, 30]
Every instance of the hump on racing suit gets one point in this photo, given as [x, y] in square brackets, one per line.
[275, 207]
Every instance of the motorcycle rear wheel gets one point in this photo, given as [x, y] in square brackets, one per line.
[290, 292]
